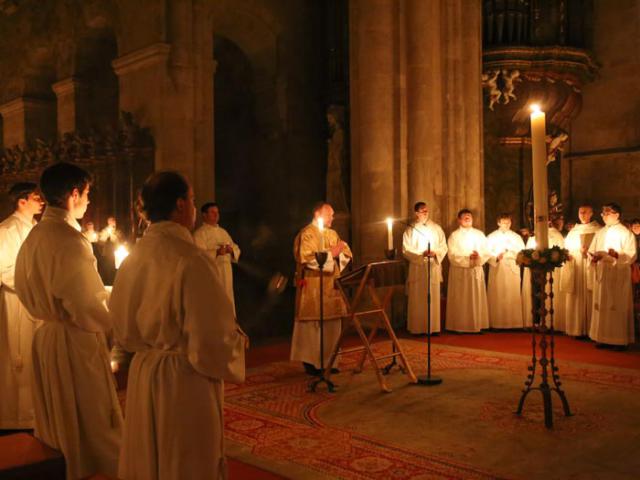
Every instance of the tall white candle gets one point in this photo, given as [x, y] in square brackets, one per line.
[389, 233]
[321, 228]
[539, 168]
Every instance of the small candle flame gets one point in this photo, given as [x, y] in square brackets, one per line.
[535, 108]
[389, 223]
[320, 224]
[120, 254]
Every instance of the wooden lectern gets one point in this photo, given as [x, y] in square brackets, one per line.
[360, 290]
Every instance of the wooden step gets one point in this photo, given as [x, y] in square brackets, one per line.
[23, 457]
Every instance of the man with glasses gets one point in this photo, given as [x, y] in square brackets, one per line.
[611, 253]
[422, 240]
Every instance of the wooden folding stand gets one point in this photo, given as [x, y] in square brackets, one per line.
[366, 302]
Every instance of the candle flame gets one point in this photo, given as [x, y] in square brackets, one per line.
[389, 222]
[120, 254]
[535, 108]
[320, 224]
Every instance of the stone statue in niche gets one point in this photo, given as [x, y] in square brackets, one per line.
[336, 190]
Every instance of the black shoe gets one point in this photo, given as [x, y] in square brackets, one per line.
[311, 370]
[619, 348]
[334, 370]
[603, 346]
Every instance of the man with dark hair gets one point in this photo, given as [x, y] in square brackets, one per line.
[16, 325]
[423, 244]
[576, 281]
[219, 245]
[467, 309]
[503, 290]
[612, 252]
[315, 237]
[172, 311]
[76, 406]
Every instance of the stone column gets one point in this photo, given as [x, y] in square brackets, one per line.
[425, 106]
[444, 107]
[72, 111]
[24, 119]
[374, 126]
[462, 98]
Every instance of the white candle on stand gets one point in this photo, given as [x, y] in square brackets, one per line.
[321, 228]
[539, 167]
[389, 233]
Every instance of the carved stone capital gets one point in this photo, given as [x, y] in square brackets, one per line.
[21, 105]
[155, 54]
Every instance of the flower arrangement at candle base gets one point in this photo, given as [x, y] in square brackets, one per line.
[546, 259]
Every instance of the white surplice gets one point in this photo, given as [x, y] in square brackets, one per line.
[16, 331]
[210, 238]
[503, 290]
[467, 309]
[612, 315]
[576, 280]
[559, 302]
[415, 241]
[76, 406]
[169, 307]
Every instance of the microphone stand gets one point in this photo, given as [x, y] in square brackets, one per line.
[321, 258]
[427, 379]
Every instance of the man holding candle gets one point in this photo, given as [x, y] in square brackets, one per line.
[218, 244]
[611, 253]
[555, 239]
[503, 291]
[576, 279]
[467, 309]
[315, 237]
[423, 243]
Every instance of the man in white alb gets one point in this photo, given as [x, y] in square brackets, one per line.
[467, 309]
[215, 240]
[74, 393]
[182, 329]
[576, 280]
[611, 253]
[423, 243]
[16, 325]
[503, 291]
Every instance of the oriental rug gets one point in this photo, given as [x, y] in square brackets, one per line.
[463, 429]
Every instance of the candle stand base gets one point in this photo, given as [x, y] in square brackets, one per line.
[390, 254]
[546, 343]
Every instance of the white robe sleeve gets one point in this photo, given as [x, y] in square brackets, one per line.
[77, 285]
[456, 254]
[215, 344]
[441, 246]
[7, 258]
[409, 249]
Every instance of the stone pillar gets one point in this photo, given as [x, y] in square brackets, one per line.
[374, 125]
[462, 98]
[72, 112]
[425, 106]
[24, 119]
[444, 108]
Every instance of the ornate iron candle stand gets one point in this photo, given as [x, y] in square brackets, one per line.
[540, 276]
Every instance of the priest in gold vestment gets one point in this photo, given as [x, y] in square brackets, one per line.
[318, 236]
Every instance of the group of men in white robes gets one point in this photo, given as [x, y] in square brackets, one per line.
[592, 290]
[181, 327]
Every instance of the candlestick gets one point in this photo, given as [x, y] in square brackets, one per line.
[321, 228]
[539, 167]
[389, 233]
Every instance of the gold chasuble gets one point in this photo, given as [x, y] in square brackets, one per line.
[305, 245]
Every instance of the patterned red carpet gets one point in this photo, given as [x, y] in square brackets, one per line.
[463, 429]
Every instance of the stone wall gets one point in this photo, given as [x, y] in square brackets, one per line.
[605, 138]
